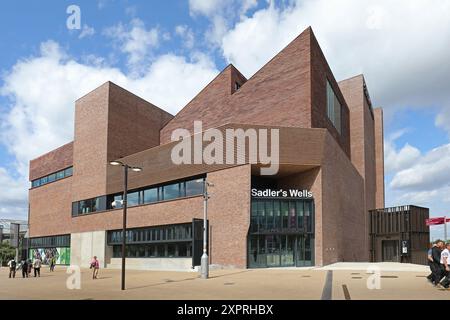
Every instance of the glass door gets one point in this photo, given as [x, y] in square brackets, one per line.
[304, 255]
[287, 250]
[273, 250]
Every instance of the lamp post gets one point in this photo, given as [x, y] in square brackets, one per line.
[126, 167]
[204, 266]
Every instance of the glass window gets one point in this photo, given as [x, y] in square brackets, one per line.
[300, 214]
[277, 214]
[261, 216]
[269, 214]
[171, 191]
[44, 180]
[36, 183]
[171, 250]
[68, 172]
[141, 251]
[60, 175]
[194, 187]
[117, 198]
[85, 206]
[133, 198]
[182, 189]
[151, 195]
[292, 215]
[182, 250]
[75, 210]
[285, 213]
[52, 177]
[95, 204]
[161, 250]
[308, 218]
[333, 107]
[254, 217]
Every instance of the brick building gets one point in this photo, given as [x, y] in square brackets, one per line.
[330, 144]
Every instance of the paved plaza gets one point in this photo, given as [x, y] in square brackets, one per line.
[336, 282]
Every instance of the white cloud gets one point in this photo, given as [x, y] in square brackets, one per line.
[443, 119]
[402, 47]
[222, 15]
[206, 8]
[186, 34]
[86, 31]
[135, 40]
[429, 172]
[101, 4]
[39, 113]
[14, 195]
[395, 160]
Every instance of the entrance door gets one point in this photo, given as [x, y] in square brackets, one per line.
[273, 250]
[390, 250]
[304, 251]
[287, 250]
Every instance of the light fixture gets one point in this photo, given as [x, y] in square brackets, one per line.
[116, 163]
[136, 169]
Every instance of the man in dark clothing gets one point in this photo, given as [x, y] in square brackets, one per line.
[430, 263]
[24, 269]
[436, 255]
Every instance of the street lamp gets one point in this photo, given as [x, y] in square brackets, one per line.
[124, 206]
[204, 266]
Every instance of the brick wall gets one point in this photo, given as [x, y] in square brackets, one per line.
[51, 162]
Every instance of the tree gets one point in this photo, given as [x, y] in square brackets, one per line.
[6, 253]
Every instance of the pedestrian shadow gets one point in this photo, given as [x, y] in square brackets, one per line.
[161, 283]
[229, 274]
[184, 280]
[102, 278]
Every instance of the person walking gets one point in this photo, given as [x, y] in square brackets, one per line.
[37, 267]
[95, 266]
[30, 266]
[436, 255]
[12, 268]
[52, 264]
[430, 263]
[445, 262]
[24, 269]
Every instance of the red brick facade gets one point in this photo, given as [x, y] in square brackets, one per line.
[343, 170]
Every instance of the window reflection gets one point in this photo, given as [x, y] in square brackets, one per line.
[281, 233]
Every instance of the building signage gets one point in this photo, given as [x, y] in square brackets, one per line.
[281, 193]
[436, 221]
[405, 246]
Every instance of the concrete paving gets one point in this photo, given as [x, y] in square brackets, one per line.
[302, 283]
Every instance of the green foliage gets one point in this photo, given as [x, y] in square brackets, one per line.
[6, 252]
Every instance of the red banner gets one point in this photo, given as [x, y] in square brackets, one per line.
[436, 221]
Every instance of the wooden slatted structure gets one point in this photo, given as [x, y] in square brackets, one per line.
[395, 225]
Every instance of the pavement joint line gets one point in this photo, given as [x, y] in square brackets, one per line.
[327, 289]
[346, 292]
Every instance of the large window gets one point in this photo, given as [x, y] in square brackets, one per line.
[281, 233]
[146, 195]
[52, 177]
[47, 242]
[164, 241]
[89, 206]
[171, 191]
[333, 107]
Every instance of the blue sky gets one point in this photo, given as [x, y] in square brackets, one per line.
[166, 51]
